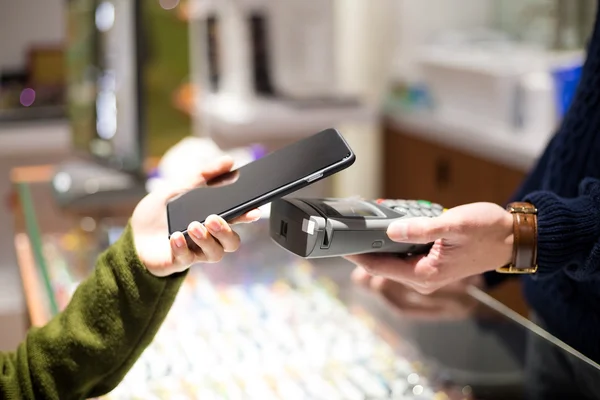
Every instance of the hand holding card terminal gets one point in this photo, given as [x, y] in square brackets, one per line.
[317, 228]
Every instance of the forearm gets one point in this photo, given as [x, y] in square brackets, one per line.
[86, 350]
[532, 182]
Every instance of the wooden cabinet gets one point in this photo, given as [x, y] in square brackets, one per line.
[419, 169]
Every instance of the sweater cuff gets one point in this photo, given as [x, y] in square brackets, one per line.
[124, 248]
[567, 231]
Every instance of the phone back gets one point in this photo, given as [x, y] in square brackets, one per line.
[278, 174]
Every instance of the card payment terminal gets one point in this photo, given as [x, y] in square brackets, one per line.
[317, 228]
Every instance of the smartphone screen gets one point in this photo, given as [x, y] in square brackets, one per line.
[257, 183]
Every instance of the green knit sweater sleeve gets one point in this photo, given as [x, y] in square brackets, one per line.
[86, 350]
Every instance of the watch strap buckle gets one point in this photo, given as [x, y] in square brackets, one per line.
[511, 269]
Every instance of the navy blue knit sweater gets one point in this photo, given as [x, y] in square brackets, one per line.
[565, 187]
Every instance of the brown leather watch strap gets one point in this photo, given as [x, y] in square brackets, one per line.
[524, 259]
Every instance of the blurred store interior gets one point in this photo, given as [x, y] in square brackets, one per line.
[450, 101]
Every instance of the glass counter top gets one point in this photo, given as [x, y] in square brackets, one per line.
[265, 324]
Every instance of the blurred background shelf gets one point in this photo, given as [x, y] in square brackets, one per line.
[49, 136]
[265, 119]
[33, 114]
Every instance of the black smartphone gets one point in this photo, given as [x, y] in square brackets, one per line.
[258, 183]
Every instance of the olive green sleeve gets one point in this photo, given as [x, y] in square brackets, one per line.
[86, 350]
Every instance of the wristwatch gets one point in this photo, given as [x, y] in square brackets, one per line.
[524, 256]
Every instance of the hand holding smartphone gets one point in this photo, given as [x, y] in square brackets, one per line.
[258, 183]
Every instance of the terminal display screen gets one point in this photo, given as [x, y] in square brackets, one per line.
[345, 208]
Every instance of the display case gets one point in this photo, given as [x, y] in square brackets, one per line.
[264, 324]
[552, 24]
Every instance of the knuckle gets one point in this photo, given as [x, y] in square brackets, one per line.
[427, 286]
[216, 256]
[378, 284]
[370, 268]
[189, 258]
[198, 258]
[422, 275]
[419, 289]
[458, 227]
[428, 276]
[425, 289]
[184, 259]
[234, 246]
[232, 243]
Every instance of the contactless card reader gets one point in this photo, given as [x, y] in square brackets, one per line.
[316, 228]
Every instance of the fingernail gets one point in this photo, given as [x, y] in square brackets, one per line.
[198, 231]
[398, 230]
[179, 241]
[214, 225]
